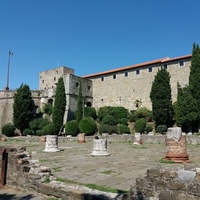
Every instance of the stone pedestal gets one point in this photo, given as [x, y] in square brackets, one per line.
[81, 137]
[176, 145]
[137, 139]
[51, 144]
[100, 148]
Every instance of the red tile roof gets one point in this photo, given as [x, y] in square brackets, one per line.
[161, 60]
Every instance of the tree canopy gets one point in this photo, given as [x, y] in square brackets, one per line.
[59, 106]
[161, 98]
[22, 107]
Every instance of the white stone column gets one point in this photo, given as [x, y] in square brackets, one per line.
[51, 144]
[100, 148]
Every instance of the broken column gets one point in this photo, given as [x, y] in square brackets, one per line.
[176, 145]
[137, 139]
[100, 148]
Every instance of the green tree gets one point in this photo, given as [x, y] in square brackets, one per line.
[59, 106]
[22, 107]
[186, 109]
[194, 77]
[161, 99]
[79, 110]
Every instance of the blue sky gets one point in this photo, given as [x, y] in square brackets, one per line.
[91, 36]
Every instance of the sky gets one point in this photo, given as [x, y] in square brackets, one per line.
[91, 36]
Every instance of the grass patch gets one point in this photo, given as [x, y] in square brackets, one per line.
[57, 169]
[44, 160]
[105, 189]
[108, 172]
[138, 146]
[167, 161]
[93, 186]
[53, 198]
[47, 179]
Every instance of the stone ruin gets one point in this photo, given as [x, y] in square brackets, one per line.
[100, 147]
[176, 145]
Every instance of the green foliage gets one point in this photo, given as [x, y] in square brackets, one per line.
[39, 132]
[48, 129]
[71, 128]
[38, 124]
[90, 112]
[132, 117]
[105, 128]
[59, 106]
[144, 112]
[123, 129]
[108, 120]
[79, 110]
[148, 128]
[87, 125]
[124, 121]
[8, 129]
[22, 107]
[161, 128]
[116, 112]
[161, 98]
[140, 125]
[47, 108]
[27, 131]
[186, 108]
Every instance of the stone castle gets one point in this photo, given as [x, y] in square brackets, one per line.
[118, 87]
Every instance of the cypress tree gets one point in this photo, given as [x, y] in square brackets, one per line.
[161, 99]
[194, 77]
[186, 109]
[59, 106]
[79, 110]
[22, 107]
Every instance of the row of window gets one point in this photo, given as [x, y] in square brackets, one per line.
[150, 69]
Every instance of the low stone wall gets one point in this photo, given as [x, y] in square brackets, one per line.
[28, 174]
[165, 184]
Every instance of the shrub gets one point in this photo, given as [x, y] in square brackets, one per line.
[109, 120]
[123, 129]
[132, 117]
[8, 130]
[27, 131]
[90, 112]
[124, 121]
[144, 112]
[39, 132]
[116, 112]
[161, 128]
[48, 129]
[38, 124]
[71, 128]
[140, 125]
[105, 128]
[87, 125]
[148, 128]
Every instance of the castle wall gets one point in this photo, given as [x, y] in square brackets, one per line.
[125, 90]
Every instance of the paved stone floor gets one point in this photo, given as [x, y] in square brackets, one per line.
[117, 171]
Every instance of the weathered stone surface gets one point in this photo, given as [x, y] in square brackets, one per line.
[100, 147]
[176, 146]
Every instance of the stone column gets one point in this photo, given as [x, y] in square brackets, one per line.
[176, 145]
[137, 139]
[100, 148]
[51, 144]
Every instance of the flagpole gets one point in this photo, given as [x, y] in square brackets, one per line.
[7, 85]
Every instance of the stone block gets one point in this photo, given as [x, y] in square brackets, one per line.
[151, 173]
[176, 185]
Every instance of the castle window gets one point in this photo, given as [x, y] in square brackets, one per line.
[89, 87]
[165, 66]
[43, 81]
[181, 63]
[137, 72]
[54, 78]
[150, 69]
[114, 76]
[126, 74]
[77, 84]
[102, 78]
